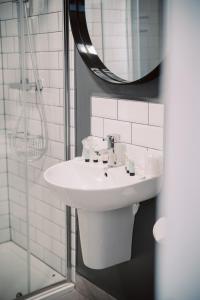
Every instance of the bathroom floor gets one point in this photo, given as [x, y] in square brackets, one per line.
[71, 296]
[13, 272]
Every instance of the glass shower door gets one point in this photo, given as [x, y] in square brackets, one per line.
[48, 263]
[33, 132]
[14, 257]
[46, 226]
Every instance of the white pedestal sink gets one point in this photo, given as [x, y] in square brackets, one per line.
[106, 206]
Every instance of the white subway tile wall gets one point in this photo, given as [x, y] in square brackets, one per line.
[139, 123]
[47, 213]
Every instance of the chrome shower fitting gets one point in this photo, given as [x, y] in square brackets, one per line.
[26, 141]
[27, 86]
[112, 139]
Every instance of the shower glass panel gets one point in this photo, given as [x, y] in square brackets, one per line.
[32, 135]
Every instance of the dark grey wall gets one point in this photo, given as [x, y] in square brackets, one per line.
[134, 279]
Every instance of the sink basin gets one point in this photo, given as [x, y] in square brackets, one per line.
[106, 201]
[84, 185]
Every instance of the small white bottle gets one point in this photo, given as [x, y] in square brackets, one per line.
[95, 158]
[111, 158]
[104, 157]
[127, 164]
[131, 168]
[86, 155]
[85, 151]
[120, 152]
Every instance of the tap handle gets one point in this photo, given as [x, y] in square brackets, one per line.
[112, 139]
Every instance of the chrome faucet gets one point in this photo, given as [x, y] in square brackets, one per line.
[112, 139]
[112, 158]
[109, 152]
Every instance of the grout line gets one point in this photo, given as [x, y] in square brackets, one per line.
[117, 109]
[103, 128]
[131, 133]
[120, 120]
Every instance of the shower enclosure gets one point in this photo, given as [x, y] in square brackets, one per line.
[33, 237]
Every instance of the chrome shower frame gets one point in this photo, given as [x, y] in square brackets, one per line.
[67, 285]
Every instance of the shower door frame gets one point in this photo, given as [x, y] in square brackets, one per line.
[64, 286]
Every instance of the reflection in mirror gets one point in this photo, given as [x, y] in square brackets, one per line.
[126, 35]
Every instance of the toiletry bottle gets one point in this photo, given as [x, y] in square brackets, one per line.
[95, 158]
[131, 168]
[86, 150]
[120, 151]
[104, 157]
[126, 163]
[87, 155]
[111, 157]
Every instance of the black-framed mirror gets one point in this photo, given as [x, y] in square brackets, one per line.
[119, 40]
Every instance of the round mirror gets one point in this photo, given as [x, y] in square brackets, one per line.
[120, 40]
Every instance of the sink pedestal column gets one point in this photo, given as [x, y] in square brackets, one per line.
[106, 236]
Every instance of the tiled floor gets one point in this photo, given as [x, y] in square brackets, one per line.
[72, 296]
[84, 290]
[13, 272]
